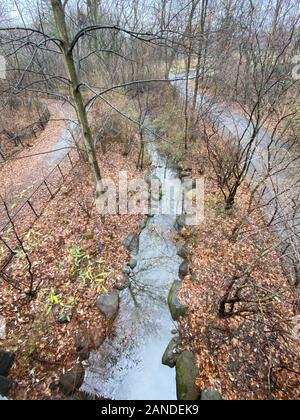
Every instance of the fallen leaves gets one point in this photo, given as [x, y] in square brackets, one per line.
[43, 346]
[251, 356]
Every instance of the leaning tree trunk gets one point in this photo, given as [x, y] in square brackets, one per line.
[69, 63]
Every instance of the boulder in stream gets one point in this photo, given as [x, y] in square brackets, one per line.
[183, 252]
[186, 375]
[176, 308]
[108, 304]
[72, 380]
[150, 177]
[83, 345]
[185, 173]
[132, 243]
[144, 223]
[180, 222]
[211, 395]
[170, 355]
[6, 362]
[5, 386]
[183, 270]
[123, 282]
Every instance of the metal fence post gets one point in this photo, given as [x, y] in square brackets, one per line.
[48, 188]
[60, 171]
[32, 208]
[70, 159]
[7, 246]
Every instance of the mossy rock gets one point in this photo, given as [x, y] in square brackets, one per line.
[176, 308]
[211, 395]
[132, 264]
[144, 223]
[170, 355]
[183, 252]
[186, 375]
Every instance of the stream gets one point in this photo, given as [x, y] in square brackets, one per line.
[129, 364]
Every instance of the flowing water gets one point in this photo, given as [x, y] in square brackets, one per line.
[128, 365]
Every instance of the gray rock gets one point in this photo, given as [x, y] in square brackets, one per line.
[183, 270]
[108, 304]
[126, 270]
[144, 223]
[71, 381]
[176, 308]
[186, 375]
[84, 396]
[179, 167]
[132, 243]
[180, 222]
[152, 178]
[185, 172]
[123, 282]
[6, 362]
[83, 346]
[98, 338]
[211, 395]
[5, 386]
[84, 355]
[149, 178]
[188, 186]
[170, 355]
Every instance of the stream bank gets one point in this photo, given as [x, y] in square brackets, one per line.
[128, 365]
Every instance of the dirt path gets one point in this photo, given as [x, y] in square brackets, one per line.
[282, 186]
[20, 176]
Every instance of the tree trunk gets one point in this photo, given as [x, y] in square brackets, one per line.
[60, 22]
[188, 68]
[204, 7]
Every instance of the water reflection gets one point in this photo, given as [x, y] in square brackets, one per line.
[128, 365]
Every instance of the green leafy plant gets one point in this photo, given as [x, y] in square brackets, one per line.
[89, 272]
[58, 306]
